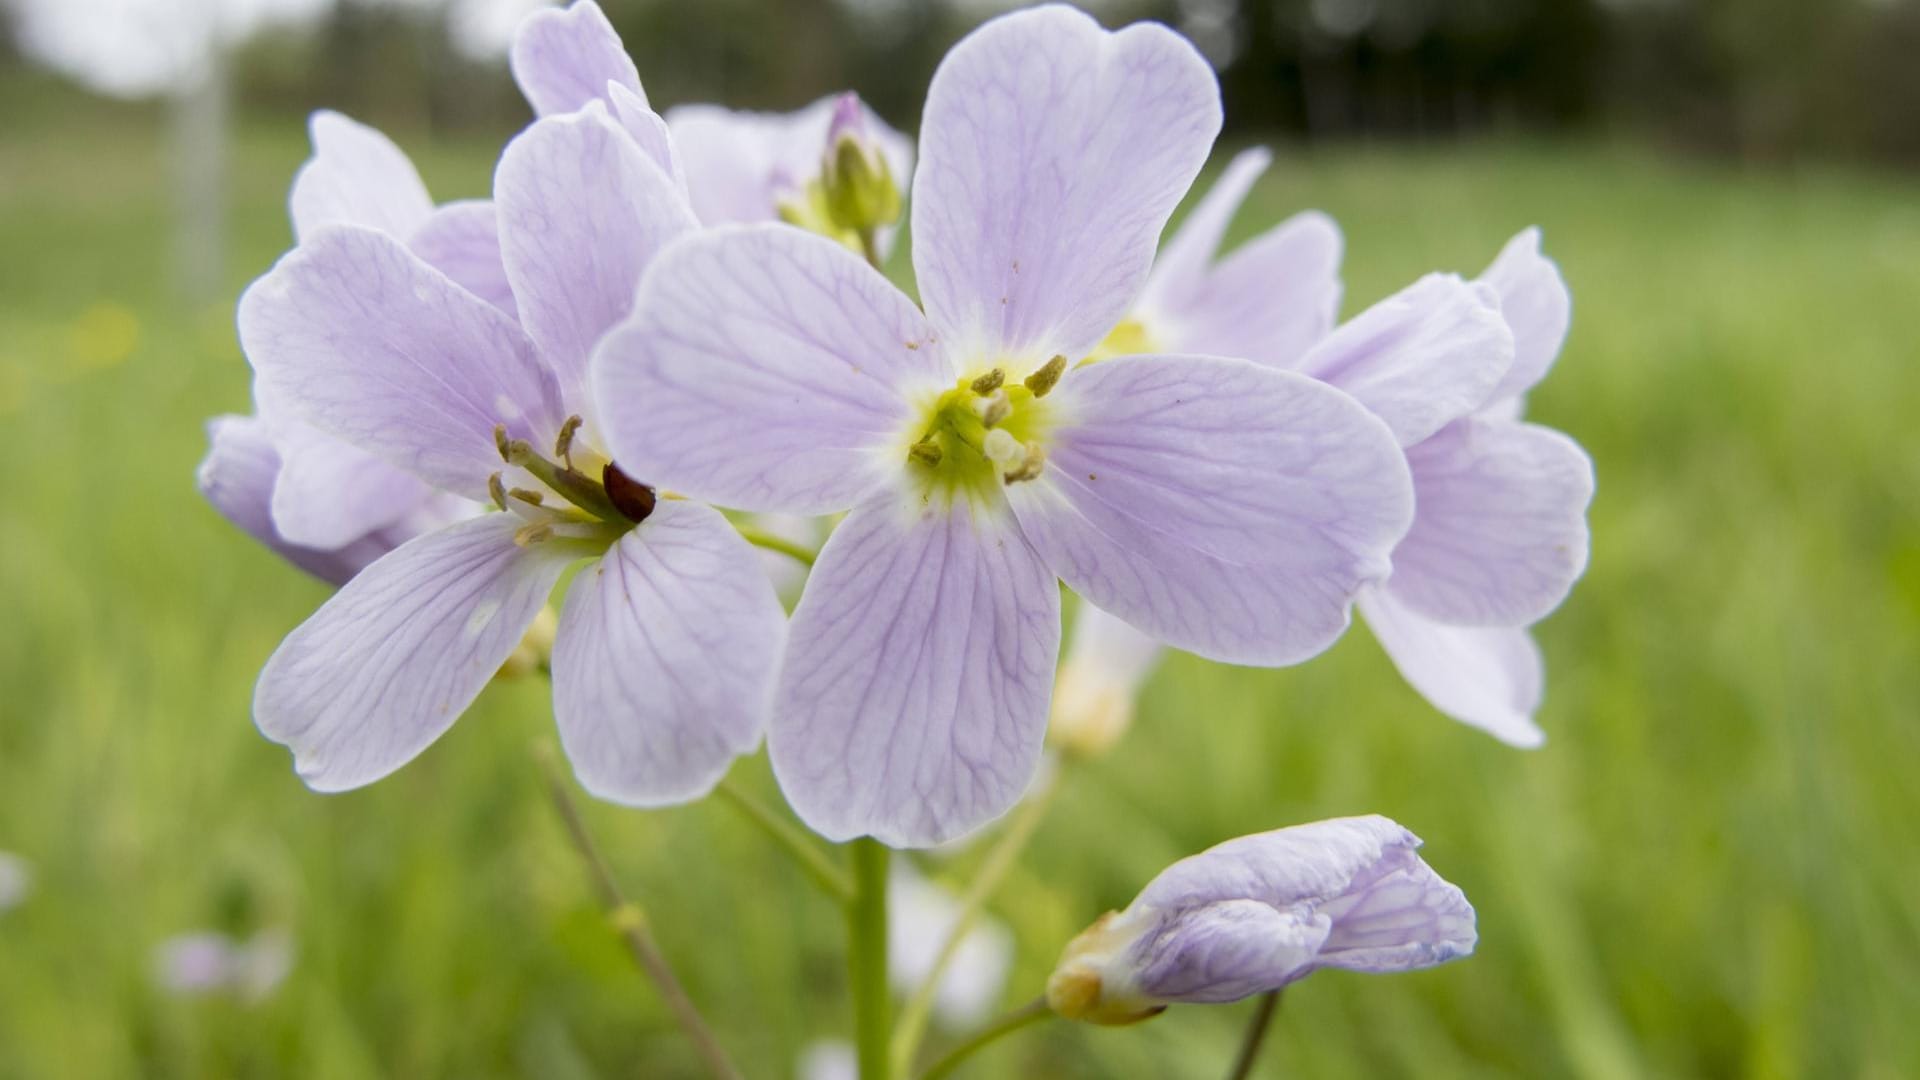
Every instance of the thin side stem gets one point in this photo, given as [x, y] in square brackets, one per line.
[870, 247]
[1031, 1013]
[1256, 1035]
[631, 923]
[762, 538]
[867, 958]
[993, 871]
[788, 836]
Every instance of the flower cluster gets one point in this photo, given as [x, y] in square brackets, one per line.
[663, 329]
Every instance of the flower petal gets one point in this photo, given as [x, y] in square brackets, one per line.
[237, 477]
[582, 212]
[462, 241]
[563, 58]
[649, 129]
[1180, 270]
[369, 344]
[1225, 508]
[388, 664]
[329, 493]
[1052, 154]
[1226, 951]
[1270, 301]
[914, 698]
[1535, 301]
[765, 369]
[664, 664]
[1485, 677]
[740, 164]
[1302, 864]
[1501, 531]
[1421, 358]
[356, 176]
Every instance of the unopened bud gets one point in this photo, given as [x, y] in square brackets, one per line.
[858, 183]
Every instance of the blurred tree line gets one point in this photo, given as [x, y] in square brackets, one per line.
[1762, 79]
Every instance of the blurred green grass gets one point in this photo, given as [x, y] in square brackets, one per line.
[1710, 871]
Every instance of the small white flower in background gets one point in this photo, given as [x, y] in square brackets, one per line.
[206, 962]
[828, 1059]
[1107, 661]
[16, 880]
[1254, 914]
[923, 915]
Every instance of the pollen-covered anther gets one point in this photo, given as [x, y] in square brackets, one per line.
[497, 490]
[1016, 460]
[988, 383]
[531, 498]
[1043, 380]
[926, 451]
[995, 408]
[563, 443]
[502, 443]
[533, 533]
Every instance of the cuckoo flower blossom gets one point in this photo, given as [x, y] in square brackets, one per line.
[1256, 913]
[1500, 530]
[1220, 506]
[663, 654]
[326, 505]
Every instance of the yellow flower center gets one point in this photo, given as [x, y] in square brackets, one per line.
[983, 433]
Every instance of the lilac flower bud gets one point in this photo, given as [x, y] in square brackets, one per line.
[858, 185]
[1256, 913]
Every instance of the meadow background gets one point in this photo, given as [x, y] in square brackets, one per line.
[1712, 869]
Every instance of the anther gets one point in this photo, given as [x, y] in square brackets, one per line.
[633, 499]
[531, 498]
[497, 490]
[995, 409]
[563, 444]
[1030, 467]
[533, 534]
[501, 441]
[1043, 380]
[988, 383]
[926, 452]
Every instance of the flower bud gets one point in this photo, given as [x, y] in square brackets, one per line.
[1254, 914]
[858, 183]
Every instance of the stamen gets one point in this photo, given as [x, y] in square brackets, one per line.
[563, 444]
[988, 383]
[532, 498]
[995, 409]
[501, 441]
[1043, 380]
[497, 490]
[1031, 467]
[1004, 450]
[533, 534]
[927, 452]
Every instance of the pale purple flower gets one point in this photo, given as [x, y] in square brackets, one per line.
[324, 504]
[16, 881]
[663, 657]
[922, 916]
[1500, 531]
[1257, 913]
[565, 59]
[209, 962]
[1221, 506]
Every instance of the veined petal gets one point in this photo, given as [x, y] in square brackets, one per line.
[356, 176]
[1489, 677]
[1229, 950]
[1422, 358]
[1052, 154]
[388, 664]
[582, 212]
[765, 368]
[363, 340]
[329, 494]
[649, 129]
[1270, 300]
[1180, 270]
[237, 477]
[563, 58]
[664, 664]
[1309, 863]
[1500, 535]
[462, 241]
[740, 164]
[1536, 304]
[913, 702]
[1225, 508]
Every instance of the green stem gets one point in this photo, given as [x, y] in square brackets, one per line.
[805, 852]
[870, 247]
[1031, 1013]
[1256, 1035]
[999, 861]
[631, 923]
[762, 538]
[867, 957]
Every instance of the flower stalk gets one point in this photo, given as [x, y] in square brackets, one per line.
[1031, 1013]
[1256, 1036]
[867, 958]
[806, 854]
[631, 923]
